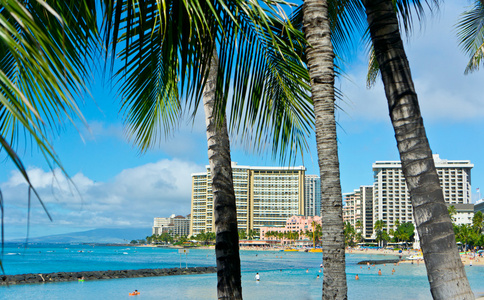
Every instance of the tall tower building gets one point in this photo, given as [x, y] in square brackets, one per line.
[312, 195]
[265, 196]
[390, 195]
[358, 210]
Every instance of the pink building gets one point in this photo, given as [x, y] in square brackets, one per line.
[296, 223]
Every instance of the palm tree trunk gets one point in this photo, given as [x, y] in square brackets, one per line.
[445, 270]
[229, 285]
[320, 58]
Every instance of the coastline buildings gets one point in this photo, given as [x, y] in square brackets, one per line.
[265, 196]
[312, 195]
[174, 225]
[479, 206]
[299, 224]
[390, 196]
[358, 210]
[464, 213]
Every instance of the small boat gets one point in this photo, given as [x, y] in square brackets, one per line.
[316, 250]
[290, 250]
[414, 257]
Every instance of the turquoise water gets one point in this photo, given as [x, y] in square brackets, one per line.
[283, 275]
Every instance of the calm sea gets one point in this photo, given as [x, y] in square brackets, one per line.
[283, 274]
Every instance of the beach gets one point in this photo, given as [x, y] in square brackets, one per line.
[466, 258]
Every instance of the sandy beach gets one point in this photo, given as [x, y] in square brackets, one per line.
[466, 258]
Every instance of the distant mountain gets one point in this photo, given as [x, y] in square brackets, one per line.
[100, 235]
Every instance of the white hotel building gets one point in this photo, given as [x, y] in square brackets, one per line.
[390, 196]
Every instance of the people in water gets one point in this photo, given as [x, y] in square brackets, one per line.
[317, 277]
[357, 277]
[307, 270]
[379, 271]
[257, 277]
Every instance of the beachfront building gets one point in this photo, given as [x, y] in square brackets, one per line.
[464, 214]
[265, 196]
[181, 226]
[174, 225]
[297, 223]
[312, 195]
[159, 223]
[391, 201]
[479, 206]
[358, 210]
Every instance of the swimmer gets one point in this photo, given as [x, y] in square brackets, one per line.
[307, 270]
[379, 271]
[357, 277]
[317, 277]
[319, 270]
[257, 277]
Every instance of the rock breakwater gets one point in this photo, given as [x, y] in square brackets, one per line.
[98, 275]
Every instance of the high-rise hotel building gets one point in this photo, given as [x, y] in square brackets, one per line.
[390, 195]
[312, 195]
[359, 207]
[265, 196]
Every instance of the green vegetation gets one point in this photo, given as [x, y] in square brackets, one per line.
[470, 235]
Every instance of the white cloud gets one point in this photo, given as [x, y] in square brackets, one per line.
[132, 198]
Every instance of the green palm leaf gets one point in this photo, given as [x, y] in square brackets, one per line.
[470, 32]
[43, 52]
[167, 51]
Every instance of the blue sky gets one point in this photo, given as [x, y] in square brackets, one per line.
[118, 187]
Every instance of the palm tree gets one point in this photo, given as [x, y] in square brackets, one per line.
[452, 212]
[433, 223]
[379, 232]
[206, 49]
[477, 221]
[43, 46]
[320, 61]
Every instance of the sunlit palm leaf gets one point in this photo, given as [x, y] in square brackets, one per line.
[470, 32]
[167, 51]
[43, 52]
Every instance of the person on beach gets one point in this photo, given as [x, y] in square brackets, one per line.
[357, 277]
[257, 277]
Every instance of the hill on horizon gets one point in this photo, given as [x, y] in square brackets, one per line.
[99, 235]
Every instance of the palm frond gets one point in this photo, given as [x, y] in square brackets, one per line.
[167, 52]
[470, 32]
[44, 46]
[407, 10]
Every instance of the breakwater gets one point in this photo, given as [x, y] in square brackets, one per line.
[99, 275]
[379, 261]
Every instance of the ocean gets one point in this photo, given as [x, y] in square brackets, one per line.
[283, 274]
